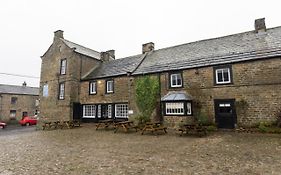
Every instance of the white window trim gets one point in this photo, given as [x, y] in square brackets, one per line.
[89, 116]
[123, 106]
[223, 82]
[63, 67]
[107, 86]
[61, 91]
[93, 90]
[176, 106]
[171, 80]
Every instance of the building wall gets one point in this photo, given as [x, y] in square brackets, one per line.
[120, 94]
[256, 82]
[52, 108]
[24, 103]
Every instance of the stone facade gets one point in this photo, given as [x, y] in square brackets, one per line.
[77, 65]
[254, 81]
[22, 104]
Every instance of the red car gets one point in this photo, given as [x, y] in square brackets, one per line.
[2, 125]
[26, 121]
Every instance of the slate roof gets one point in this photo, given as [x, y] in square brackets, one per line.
[82, 50]
[176, 96]
[222, 50]
[116, 67]
[11, 89]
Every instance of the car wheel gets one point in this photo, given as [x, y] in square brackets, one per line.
[27, 124]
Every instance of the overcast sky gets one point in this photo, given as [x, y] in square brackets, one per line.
[27, 26]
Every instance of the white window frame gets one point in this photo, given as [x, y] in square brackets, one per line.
[63, 67]
[93, 87]
[175, 76]
[45, 90]
[109, 86]
[89, 111]
[121, 110]
[174, 108]
[188, 108]
[61, 91]
[222, 71]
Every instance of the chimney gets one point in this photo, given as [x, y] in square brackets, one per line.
[58, 34]
[108, 55]
[147, 47]
[260, 25]
[24, 84]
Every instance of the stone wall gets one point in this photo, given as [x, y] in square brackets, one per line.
[256, 82]
[24, 103]
[51, 108]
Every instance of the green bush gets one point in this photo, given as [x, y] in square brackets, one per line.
[211, 128]
[203, 119]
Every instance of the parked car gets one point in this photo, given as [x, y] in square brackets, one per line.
[27, 120]
[2, 125]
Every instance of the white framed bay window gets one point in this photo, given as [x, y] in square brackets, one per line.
[175, 108]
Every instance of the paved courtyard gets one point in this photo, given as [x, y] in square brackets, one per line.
[87, 151]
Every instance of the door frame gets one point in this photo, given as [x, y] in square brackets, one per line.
[234, 115]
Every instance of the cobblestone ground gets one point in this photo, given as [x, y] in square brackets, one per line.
[87, 151]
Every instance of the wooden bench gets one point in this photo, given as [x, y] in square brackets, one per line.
[152, 127]
[126, 125]
[106, 123]
[195, 128]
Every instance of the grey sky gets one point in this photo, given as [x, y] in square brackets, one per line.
[27, 26]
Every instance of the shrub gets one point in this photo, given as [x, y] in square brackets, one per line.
[203, 119]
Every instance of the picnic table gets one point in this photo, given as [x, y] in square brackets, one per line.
[196, 128]
[154, 126]
[106, 123]
[61, 124]
[126, 125]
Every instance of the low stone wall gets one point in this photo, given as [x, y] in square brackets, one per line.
[175, 121]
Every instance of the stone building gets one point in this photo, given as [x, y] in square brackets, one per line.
[18, 101]
[234, 80]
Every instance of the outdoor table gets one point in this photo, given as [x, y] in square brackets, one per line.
[154, 126]
[126, 125]
[105, 123]
[197, 128]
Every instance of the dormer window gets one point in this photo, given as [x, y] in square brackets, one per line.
[176, 80]
[63, 67]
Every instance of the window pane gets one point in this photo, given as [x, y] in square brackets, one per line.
[175, 108]
[121, 110]
[45, 90]
[225, 75]
[89, 111]
[220, 79]
[61, 91]
[176, 80]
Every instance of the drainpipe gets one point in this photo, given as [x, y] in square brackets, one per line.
[160, 107]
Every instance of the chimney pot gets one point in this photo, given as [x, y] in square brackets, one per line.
[24, 84]
[147, 47]
[260, 25]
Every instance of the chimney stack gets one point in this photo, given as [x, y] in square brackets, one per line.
[24, 84]
[147, 47]
[58, 34]
[108, 55]
[260, 25]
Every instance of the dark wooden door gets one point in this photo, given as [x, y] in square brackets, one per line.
[225, 113]
[77, 111]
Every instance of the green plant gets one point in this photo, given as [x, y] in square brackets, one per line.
[211, 128]
[278, 118]
[203, 119]
[147, 91]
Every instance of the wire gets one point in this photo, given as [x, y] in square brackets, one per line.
[18, 75]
